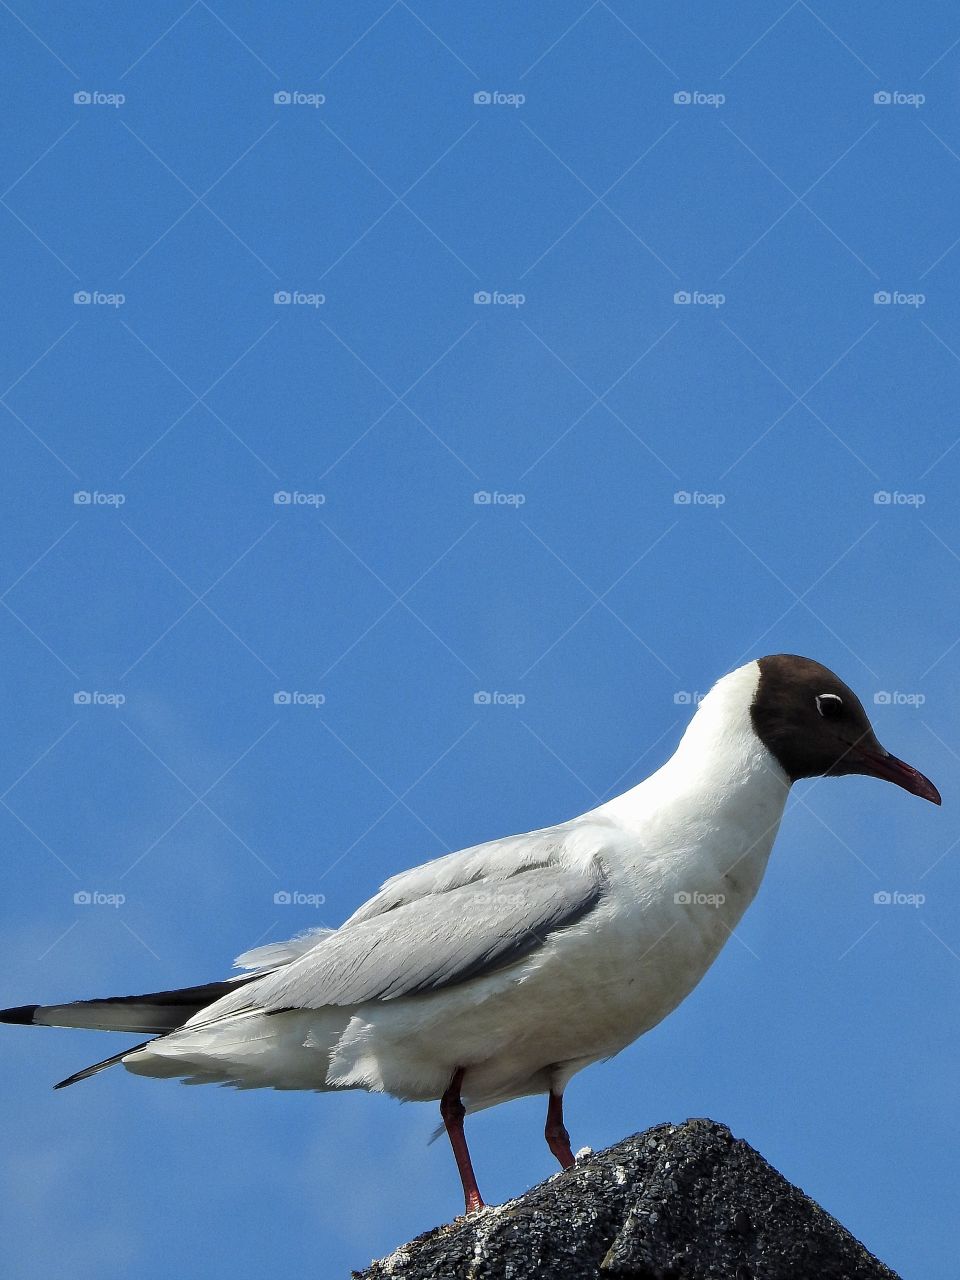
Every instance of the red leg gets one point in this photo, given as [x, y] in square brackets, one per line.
[452, 1112]
[558, 1140]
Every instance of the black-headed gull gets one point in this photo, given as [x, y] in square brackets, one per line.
[502, 970]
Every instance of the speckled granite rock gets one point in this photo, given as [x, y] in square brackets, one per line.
[679, 1202]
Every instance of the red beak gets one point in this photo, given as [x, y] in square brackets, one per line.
[881, 764]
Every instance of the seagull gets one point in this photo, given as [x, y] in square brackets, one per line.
[502, 970]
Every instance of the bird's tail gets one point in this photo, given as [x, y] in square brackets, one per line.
[158, 1013]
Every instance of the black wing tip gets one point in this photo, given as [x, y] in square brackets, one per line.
[86, 1073]
[22, 1013]
[75, 1078]
[112, 1061]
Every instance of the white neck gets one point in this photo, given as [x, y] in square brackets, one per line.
[721, 774]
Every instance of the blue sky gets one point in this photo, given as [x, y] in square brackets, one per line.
[712, 402]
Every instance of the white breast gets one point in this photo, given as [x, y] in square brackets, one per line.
[686, 855]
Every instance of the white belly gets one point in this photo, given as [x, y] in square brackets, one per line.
[588, 993]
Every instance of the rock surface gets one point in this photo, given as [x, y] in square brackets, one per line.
[679, 1202]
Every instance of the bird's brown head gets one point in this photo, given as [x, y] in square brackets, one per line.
[815, 725]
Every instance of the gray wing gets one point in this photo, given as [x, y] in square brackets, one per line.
[493, 861]
[437, 940]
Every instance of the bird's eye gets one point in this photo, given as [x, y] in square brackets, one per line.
[829, 705]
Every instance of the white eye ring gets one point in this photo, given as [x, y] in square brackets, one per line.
[828, 703]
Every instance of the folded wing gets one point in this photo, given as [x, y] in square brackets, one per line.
[434, 942]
